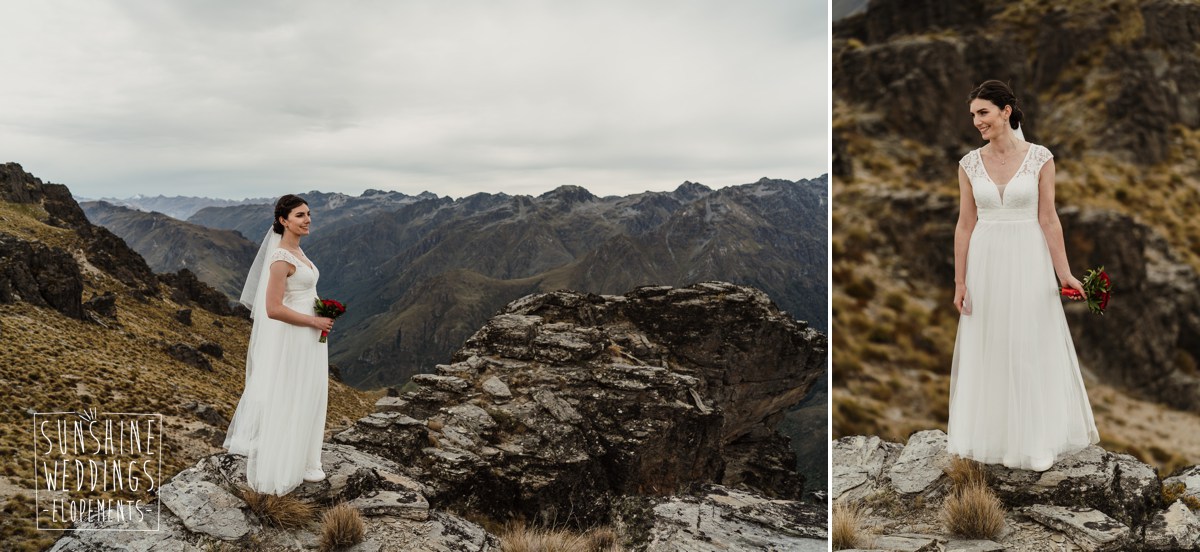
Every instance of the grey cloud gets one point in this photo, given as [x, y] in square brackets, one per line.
[236, 99]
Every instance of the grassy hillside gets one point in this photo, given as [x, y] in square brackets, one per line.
[50, 362]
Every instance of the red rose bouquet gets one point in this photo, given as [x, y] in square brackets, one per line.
[1098, 287]
[329, 309]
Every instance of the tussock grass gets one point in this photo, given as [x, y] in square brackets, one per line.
[341, 527]
[964, 472]
[518, 537]
[285, 512]
[847, 527]
[972, 510]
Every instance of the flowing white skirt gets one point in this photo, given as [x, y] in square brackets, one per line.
[280, 421]
[1016, 393]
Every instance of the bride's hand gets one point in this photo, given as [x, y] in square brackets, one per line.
[322, 323]
[961, 301]
[1074, 283]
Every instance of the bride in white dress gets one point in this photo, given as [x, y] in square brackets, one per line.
[280, 421]
[1016, 394]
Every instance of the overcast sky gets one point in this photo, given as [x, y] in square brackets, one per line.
[253, 99]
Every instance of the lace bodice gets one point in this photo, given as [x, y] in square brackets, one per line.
[302, 284]
[1019, 193]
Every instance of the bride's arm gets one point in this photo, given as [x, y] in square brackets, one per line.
[276, 310]
[1052, 227]
[967, 216]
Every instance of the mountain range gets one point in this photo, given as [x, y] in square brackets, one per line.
[419, 273]
[177, 207]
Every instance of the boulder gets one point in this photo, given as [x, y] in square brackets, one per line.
[1090, 529]
[202, 504]
[205, 506]
[564, 402]
[720, 519]
[189, 355]
[859, 465]
[1176, 528]
[921, 463]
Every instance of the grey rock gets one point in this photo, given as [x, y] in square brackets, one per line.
[496, 388]
[921, 463]
[472, 417]
[458, 370]
[1189, 477]
[451, 384]
[390, 404]
[1088, 528]
[726, 519]
[405, 504]
[575, 408]
[859, 463]
[1117, 484]
[973, 546]
[1176, 528]
[149, 534]
[902, 543]
[208, 414]
[203, 506]
[560, 409]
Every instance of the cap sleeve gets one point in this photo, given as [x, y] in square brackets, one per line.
[971, 164]
[283, 255]
[1040, 155]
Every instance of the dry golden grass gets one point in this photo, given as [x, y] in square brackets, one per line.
[964, 472]
[341, 527]
[51, 363]
[518, 537]
[1175, 491]
[847, 527]
[285, 512]
[973, 511]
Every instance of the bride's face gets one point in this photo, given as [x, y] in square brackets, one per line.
[298, 221]
[990, 120]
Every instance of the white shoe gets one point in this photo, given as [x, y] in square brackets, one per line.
[1042, 464]
[313, 475]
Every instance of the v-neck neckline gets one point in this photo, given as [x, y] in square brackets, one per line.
[304, 258]
[988, 174]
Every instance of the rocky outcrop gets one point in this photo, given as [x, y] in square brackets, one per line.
[719, 519]
[39, 275]
[921, 58]
[590, 397]
[189, 355]
[1097, 499]
[103, 249]
[650, 411]
[202, 508]
[186, 288]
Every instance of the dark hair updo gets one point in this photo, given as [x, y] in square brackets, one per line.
[1000, 94]
[284, 207]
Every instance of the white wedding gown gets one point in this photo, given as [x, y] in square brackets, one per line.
[1016, 394]
[279, 423]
